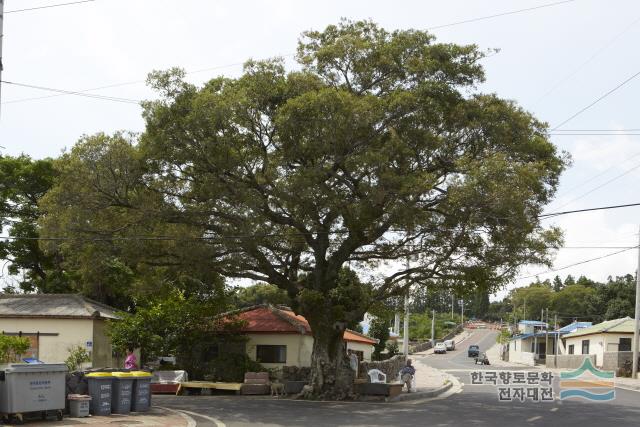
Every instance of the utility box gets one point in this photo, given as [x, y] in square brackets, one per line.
[32, 388]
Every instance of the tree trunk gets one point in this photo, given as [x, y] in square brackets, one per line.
[331, 373]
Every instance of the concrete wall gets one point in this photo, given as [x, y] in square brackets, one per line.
[568, 361]
[614, 359]
[53, 349]
[524, 357]
[299, 348]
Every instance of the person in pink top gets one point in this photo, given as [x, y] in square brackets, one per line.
[130, 362]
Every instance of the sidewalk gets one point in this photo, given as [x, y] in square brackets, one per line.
[154, 418]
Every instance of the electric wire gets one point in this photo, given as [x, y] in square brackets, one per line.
[49, 6]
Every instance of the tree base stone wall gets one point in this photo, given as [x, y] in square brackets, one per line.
[391, 367]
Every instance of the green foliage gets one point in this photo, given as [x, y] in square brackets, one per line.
[530, 301]
[392, 348]
[23, 182]
[261, 293]
[11, 348]
[231, 367]
[186, 327]
[503, 337]
[420, 325]
[77, 356]
[379, 329]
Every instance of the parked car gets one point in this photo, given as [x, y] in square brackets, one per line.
[473, 351]
[482, 359]
[450, 344]
[440, 348]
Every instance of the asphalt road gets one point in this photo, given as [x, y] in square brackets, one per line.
[474, 405]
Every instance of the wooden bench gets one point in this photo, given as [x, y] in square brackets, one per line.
[200, 385]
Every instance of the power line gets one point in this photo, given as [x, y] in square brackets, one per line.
[585, 63]
[497, 15]
[69, 92]
[553, 214]
[49, 6]
[553, 270]
[582, 110]
[594, 134]
[598, 130]
[599, 187]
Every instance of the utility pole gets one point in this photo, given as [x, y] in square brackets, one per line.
[1, 37]
[462, 311]
[524, 314]
[405, 334]
[555, 322]
[636, 325]
[433, 327]
[452, 305]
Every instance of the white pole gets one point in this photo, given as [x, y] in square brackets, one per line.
[433, 327]
[634, 373]
[405, 334]
[452, 305]
[1, 37]
[462, 311]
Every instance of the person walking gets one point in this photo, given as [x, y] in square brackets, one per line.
[130, 362]
[407, 373]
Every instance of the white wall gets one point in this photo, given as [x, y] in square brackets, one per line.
[598, 344]
[53, 349]
[299, 348]
[366, 349]
[517, 355]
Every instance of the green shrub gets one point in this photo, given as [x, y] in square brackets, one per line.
[77, 356]
[11, 348]
[232, 367]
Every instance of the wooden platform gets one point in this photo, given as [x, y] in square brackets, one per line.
[208, 385]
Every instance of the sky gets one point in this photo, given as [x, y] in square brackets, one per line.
[552, 61]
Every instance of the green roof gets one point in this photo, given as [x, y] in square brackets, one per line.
[624, 325]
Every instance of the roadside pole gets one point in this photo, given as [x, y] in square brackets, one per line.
[405, 333]
[433, 328]
[452, 305]
[1, 37]
[462, 312]
[634, 373]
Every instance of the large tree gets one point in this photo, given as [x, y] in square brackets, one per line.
[377, 149]
[23, 182]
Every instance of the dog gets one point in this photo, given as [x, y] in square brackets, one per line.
[277, 389]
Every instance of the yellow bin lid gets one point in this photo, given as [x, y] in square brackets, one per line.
[99, 375]
[122, 374]
[141, 374]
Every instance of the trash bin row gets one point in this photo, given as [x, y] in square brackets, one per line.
[119, 392]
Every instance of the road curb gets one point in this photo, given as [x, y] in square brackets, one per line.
[418, 395]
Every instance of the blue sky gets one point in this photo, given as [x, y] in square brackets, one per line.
[552, 61]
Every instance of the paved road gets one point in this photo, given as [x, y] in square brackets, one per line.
[473, 406]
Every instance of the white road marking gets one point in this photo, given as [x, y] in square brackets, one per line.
[554, 409]
[216, 421]
[190, 421]
[534, 418]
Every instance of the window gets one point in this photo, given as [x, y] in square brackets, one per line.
[271, 353]
[585, 346]
[625, 344]
[571, 348]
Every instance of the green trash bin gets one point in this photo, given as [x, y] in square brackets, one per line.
[141, 399]
[100, 389]
[122, 392]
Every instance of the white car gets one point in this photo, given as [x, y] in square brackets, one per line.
[440, 348]
[450, 345]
